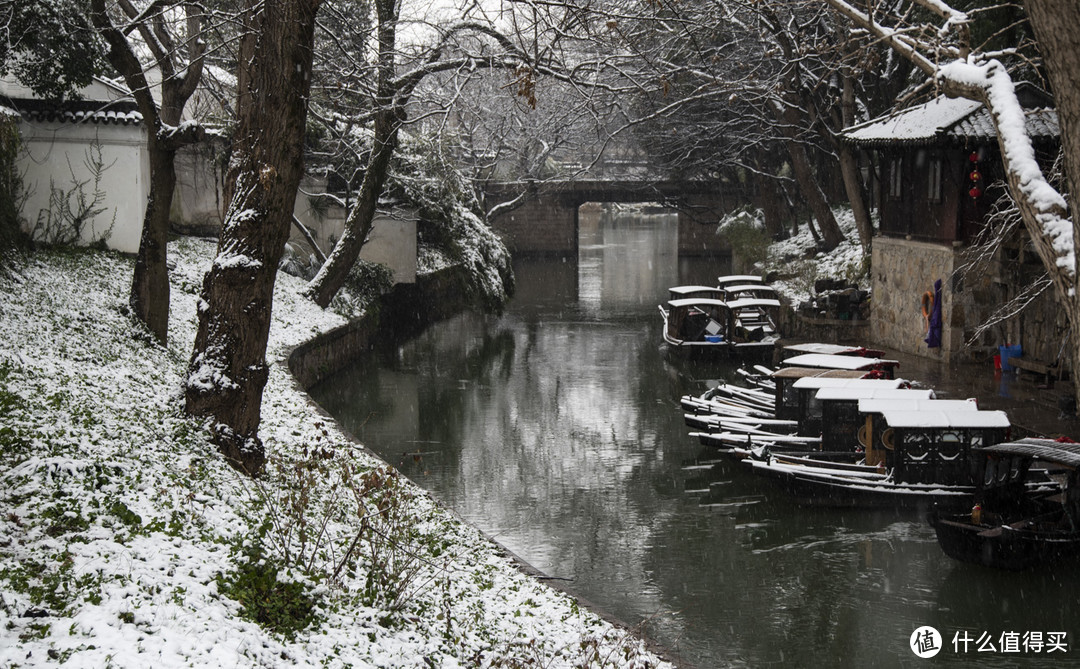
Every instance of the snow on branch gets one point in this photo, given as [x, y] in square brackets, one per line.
[990, 83]
[999, 95]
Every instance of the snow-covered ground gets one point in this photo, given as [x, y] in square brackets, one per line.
[798, 264]
[125, 541]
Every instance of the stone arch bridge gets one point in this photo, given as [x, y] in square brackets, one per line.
[545, 218]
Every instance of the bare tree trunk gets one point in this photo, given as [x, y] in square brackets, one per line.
[770, 199]
[331, 276]
[149, 297]
[1057, 29]
[804, 175]
[228, 368]
[808, 185]
[388, 120]
[813, 230]
[849, 168]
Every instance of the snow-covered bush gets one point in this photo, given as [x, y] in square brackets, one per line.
[745, 232]
[796, 264]
[365, 283]
[451, 229]
[422, 178]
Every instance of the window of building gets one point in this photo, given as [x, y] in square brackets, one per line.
[933, 183]
[895, 178]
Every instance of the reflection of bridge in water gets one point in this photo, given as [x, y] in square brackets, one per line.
[544, 218]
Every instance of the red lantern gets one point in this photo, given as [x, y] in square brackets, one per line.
[975, 191]
[974, 157]
[975, 176]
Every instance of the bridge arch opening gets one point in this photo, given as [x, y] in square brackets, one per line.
[542, 218]
[628, 254]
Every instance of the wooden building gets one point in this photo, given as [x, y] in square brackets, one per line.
[935, 167]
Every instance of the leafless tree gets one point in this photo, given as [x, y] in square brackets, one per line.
[228, 369]
[171, 46]
[753, 88]
[385, 89]
[533, 57]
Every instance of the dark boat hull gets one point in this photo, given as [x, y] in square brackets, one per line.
[1003, 547]
[810, 489]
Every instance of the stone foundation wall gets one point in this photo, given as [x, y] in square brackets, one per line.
[405, 311]
[1044, 330]
[902, 270]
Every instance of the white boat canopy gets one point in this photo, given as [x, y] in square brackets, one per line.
[878, 405]
[836, 361]
[946, 419]
[833, 382]
[827, 349]
[738, 278]
[692, 290]
[749, 302]
[693, 301]
[852, 393]
[801, 372]
[756, 287]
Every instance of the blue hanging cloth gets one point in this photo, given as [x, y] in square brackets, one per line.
[933, 333]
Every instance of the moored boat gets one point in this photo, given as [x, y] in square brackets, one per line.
[926, 461]
[691, 291]
[738, 291]
[755, 322]
[1026, 510]
[791, 350]
[705, 325]
[833, 437]
[786, 397]
[807, 407]
[736, 279]
[882, 367]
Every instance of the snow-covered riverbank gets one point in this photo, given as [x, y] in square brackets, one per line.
[125, 540]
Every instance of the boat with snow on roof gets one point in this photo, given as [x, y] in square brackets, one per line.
[1026, 511]
[791, 350]
[923, 459]
[828, 432]
[736, 279]
[696, 325]
[880, 367]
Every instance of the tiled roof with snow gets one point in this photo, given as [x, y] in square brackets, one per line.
[955, 121]
[123, 112]
[1042, 125]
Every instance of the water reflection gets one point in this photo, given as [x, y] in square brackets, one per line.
[628, 262]
[556, 429]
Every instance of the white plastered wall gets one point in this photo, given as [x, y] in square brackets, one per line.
[56, 156]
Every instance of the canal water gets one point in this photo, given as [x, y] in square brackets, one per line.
[556, 429]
